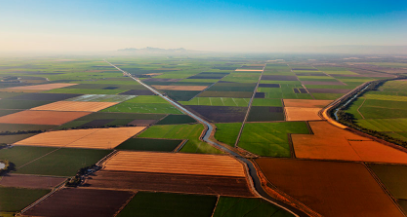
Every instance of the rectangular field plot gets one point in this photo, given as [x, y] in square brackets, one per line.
[44, 96]
[80, 202]
[101, 98]
[30, 181]
[21, 104]
[241, 87]
[181, 95]
[51, 161]
[178, 87]
[149, 108]
[220, 113]
[140, 144]
[333, 183]
[230, 94]
[9, 139]
[167, 182]
[103, 138]
[306, 103]
[267, 102]
[137, 92]
[240, 207]
[75, 106]
[177, 119]
[302, 114]
[16, 199]
[217, 101]
[41, 87]
[279, 77]
[165, 204]
[41, 117]
[270, 139]
[265, 113]
[177, 163]
[331, 143]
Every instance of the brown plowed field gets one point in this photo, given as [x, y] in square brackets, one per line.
[41, 117]
[178, 163]
[373, 151]
[80, 202]
[306, 103]
[41, 87]
[302, 114]
[167, 182]
[75, 106]
[101, 138]
[177, 87]
[332, 143]
[330, 188]
[30, 181]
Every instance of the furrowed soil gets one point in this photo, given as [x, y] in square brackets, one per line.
[30, 181]
[302, 114]
[306, 103]
[41, 117]
[167, 182]
[178, 163]
[330, 188]
[75, 106]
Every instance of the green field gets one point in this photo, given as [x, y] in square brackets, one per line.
[177, 119]
[142, 144]
[149, 108]
[165, 204]
[184, 131]
[270, 139]
[245, 207]
[51, 161]
[217, 101]
[267, 102]
[16, 199]
[227, 133]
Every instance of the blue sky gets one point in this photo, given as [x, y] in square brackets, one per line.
[243, 26]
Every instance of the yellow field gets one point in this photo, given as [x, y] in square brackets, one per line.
[77, 106]
[179, 163]
[302, 114]
[102, 138]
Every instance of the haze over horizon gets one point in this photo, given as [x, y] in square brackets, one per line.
[216, 26]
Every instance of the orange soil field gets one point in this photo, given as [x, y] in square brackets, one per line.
[334, 189]
[41, 87]
[41, 117]
[249, 70]
[75, 106]
[178, 163]
[332, 143]
[306, 103]
[102, 138]
[302, 114]
[177, 87]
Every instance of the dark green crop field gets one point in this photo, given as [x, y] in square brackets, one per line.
[15, 199]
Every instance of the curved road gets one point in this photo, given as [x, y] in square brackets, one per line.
[252, 170]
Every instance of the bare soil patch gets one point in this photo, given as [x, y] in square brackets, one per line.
[167, 182]
[302, 114]
[142, 122]
[41, 117]
[30, 181]
[332, 143]
[80, 202]
[175, 163]
[101, 138]
[330, 188]
[306, 103]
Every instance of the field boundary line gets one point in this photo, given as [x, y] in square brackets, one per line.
[125, 204]
[216, 205]
[249, 107]
[38, 158]
[383, 187]
[361, 107]
[180, 146]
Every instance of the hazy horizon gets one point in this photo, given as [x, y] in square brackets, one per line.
[208, 26]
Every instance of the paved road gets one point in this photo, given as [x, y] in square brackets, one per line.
[252, 169]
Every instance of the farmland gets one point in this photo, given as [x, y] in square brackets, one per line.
[152, 158]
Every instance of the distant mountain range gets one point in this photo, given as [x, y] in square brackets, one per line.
[152, 50]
